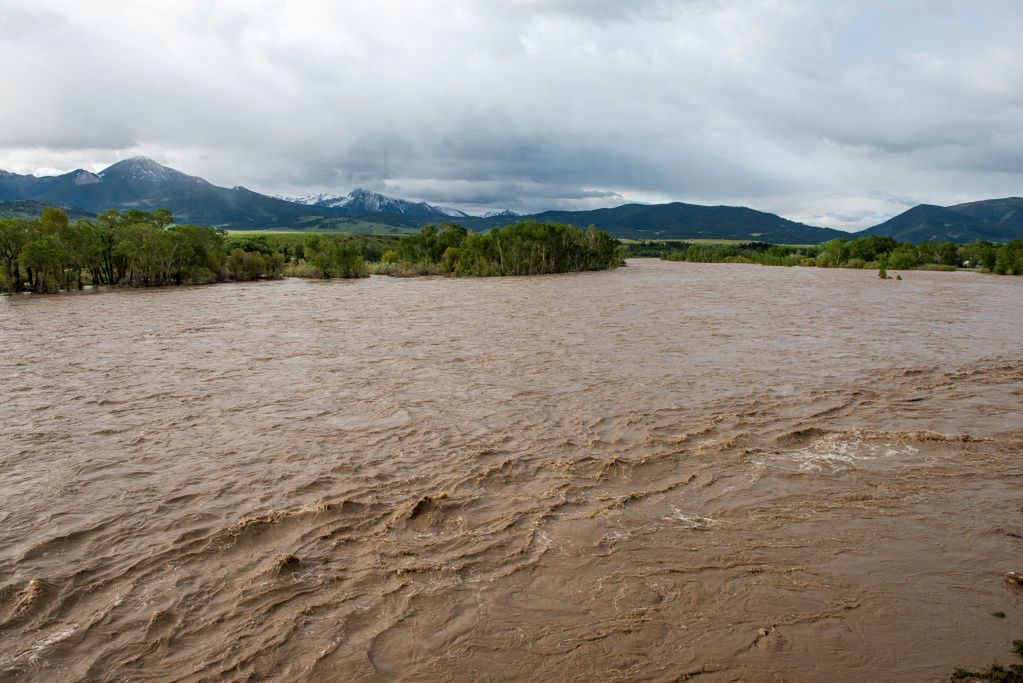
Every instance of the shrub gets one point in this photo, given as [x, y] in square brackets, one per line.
[302, 269]
[404, 269]
[449, 259]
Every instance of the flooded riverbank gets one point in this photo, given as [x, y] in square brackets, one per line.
[671, 469]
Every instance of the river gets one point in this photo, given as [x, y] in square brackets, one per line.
[664, 471]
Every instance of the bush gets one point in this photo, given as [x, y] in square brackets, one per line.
[449, 259]
[302, 269]
[245, 265]
[200, 275]
[402, 269]
[274, 265]
[334, 259]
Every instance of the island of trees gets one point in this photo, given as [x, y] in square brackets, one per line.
[862, 252]
[141, 248]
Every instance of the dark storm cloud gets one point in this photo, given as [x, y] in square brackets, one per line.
[837, 112]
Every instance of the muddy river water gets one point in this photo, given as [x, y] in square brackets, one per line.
[662, 472]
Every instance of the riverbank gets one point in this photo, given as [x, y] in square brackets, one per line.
[140, 248]
[871, 252]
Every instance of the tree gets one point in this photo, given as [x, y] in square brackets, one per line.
[163, 218]
[334, 259]
[274, 265]
[15, 233]
[236, 264]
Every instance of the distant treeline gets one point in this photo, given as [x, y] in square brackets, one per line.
[525, 248]
[862, 252]
[141, 248]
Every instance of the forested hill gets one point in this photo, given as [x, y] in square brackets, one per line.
[144, 184]
[27, 208]
[682, 221]
[994, 220]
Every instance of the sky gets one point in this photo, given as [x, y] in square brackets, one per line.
[830, 112]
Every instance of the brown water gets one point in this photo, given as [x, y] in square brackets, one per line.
[669, 470]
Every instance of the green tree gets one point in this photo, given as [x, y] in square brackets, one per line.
[15, 233]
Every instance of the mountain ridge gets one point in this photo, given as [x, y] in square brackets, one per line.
[140, 182]
[994, 220]
[368, 201]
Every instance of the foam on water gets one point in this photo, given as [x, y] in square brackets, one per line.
[836, 452]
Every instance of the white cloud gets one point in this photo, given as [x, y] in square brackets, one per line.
[833, 112]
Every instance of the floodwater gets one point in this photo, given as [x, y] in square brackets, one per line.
[663, 472]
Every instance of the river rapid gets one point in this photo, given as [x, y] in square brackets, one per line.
[662, 472]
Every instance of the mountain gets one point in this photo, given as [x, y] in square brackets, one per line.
[995, 220]
[452, 212]
[682, 221]
[502, 213]
[143, 183]
[1007, 211]
[361, 201]
[14, 186]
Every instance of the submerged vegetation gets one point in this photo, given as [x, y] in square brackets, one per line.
[141, 248]
[995, 672]
[874, 252]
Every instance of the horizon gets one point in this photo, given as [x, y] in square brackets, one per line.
[343, 193]
[837, 115]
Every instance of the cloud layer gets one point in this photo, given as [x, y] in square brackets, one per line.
[834, 112]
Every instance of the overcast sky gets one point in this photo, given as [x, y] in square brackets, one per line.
[834, 113]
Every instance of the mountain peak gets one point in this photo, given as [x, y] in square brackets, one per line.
[83, 177]
[139, 168]
[452, 212]
[361, 200]
[502, 213]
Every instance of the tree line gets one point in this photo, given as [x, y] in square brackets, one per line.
[146, 249]
[871, 251]
[524, 248]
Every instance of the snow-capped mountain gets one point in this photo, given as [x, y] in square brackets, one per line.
[449, 211]
[312, 200]
[503, 213]
[142, 169]
[367, 201]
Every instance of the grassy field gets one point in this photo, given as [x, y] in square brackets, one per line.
[278, 233]
[348, 226]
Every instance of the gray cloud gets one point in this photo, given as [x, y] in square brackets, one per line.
[835, 112]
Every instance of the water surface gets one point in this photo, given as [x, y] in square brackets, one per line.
[668, 470]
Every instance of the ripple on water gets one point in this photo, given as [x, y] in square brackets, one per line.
[654, 473]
